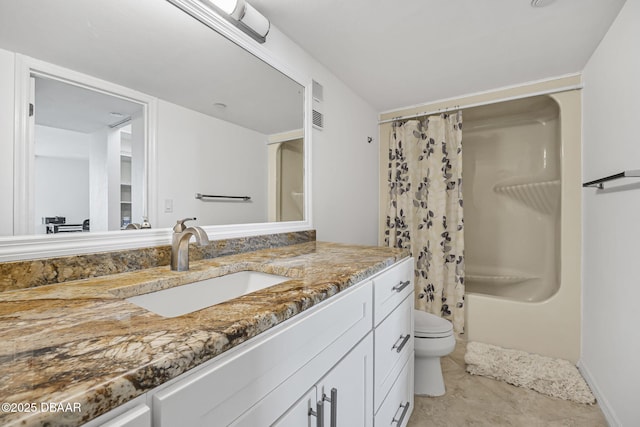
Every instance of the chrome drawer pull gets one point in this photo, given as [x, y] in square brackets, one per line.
[404, 341]
[318, 413]
[334, 405]
[400, 286]
[404, 412]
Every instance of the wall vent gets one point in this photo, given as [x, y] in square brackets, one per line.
[317, 92]
[318, 119]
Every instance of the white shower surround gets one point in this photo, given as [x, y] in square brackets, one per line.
[511, 173]
[551, 325]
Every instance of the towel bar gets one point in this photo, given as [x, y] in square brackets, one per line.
[599, 183]
[201, 196]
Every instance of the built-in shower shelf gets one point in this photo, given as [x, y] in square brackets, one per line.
[543, 196]
[498, 280]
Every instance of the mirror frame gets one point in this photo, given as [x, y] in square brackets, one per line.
[38, 246]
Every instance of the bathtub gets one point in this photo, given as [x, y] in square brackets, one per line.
[522, 210]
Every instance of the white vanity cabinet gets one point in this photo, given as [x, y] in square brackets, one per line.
[346, 362]
[258, 381]
[393, 345]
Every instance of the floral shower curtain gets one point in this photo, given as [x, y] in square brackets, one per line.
[425, 210]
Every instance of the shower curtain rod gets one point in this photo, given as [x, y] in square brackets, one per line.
[480, 104]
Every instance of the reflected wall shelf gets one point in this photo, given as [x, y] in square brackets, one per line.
[543, 197]
[599, 183]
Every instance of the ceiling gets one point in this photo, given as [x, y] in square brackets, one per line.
[401, 53]
[65, 106]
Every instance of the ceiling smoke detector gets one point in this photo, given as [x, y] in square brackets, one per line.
[541, 3]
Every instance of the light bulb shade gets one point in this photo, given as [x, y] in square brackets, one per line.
[227, 6]
[237, 13]
[242, 15]
[255, 20]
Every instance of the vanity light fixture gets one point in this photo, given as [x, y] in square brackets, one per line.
[121, 119]
[244, 16]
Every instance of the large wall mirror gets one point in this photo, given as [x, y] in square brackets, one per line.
[130, 109]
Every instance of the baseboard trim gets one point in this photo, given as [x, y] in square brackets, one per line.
[607, 411]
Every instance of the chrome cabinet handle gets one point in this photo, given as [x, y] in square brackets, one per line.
[404, 341]
[400, 286]
[318, 413]
[404, 412]
[334, 406]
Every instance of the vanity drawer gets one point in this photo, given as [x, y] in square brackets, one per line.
[398, 405]
[393, 344]
[391, 287]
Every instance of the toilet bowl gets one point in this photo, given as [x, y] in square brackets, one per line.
[433, 339]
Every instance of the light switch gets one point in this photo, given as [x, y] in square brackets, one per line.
[168, 205]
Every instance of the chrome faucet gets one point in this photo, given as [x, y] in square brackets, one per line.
[180, 243]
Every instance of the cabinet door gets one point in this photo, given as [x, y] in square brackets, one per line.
[347, 389]
[299, 412]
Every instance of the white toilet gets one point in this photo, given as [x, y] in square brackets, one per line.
[433, 339]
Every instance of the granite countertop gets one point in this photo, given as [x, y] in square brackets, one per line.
[83, 345]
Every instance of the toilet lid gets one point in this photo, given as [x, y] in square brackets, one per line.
[430, 325]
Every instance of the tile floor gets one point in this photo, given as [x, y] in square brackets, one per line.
[478, 401]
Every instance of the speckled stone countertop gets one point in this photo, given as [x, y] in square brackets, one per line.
[81, 342]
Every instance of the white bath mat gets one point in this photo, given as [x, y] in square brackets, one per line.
[553, 377]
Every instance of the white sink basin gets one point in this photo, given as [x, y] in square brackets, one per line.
[195, 296]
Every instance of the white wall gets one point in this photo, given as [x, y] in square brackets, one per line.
[61, 175]
[611, 229]
[55, 142]
[345, 165]
[345, 169]
[198, 154]
[52, 175]
[99, 182]
[112, 170]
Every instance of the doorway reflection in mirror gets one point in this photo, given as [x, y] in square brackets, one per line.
[89, 159]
